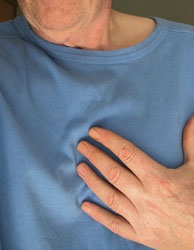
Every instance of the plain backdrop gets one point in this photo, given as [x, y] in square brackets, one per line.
[175, 10]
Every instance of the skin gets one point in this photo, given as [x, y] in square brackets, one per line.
[155, 205]
[85, 24]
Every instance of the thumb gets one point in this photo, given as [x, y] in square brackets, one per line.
[188, 141]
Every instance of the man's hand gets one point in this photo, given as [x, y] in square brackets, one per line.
[155, 204]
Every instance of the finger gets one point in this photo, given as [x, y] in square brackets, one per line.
[134, 158]
[117, 175]
[188, 141]
[109, 195]
[115, 223]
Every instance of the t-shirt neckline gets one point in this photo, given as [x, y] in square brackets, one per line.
[94, 56]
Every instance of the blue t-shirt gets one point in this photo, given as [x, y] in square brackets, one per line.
[51, 95]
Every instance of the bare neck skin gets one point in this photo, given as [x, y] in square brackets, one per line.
[85, 24]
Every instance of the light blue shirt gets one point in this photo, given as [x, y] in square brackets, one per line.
[51, 95]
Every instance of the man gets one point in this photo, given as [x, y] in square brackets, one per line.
[90, 25]
[69, 65]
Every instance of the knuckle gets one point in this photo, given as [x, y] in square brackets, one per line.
[114, 175]
[112, 200]
[114, 226]
[166, 187]
[127, 153]
[169, 190]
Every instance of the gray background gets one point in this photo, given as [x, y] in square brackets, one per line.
[175, 10]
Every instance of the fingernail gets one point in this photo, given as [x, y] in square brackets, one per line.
[82, 170]
[82, 147]
[87, 208]
[95, 132]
